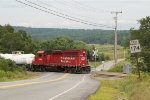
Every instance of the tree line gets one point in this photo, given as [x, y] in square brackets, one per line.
[90, 36]
[11, 40]
[14, 41]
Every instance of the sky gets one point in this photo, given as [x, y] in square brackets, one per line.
[91, 11]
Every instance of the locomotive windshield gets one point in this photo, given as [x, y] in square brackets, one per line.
[40, 55]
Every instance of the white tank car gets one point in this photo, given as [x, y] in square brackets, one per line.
[19, 57]
[23, 58]
[7, 56]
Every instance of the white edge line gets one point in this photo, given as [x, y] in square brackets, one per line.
[13, 85]
[42, 76]
[52, 98]
[32, 79]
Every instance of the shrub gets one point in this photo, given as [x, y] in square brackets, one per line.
[8, 65]
[118, 67]
[104, 57]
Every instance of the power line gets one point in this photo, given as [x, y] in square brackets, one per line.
[58, 14]
[66, 3]
[68, 15]
[72, 4]
[87, 6]
[82, 7]
[49, 5]
[75, 5]
[64, 14]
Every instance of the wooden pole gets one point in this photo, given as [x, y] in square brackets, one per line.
[138, 67]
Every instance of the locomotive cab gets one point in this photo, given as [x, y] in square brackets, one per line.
[39, 58]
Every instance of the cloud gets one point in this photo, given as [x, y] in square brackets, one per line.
[97, 11]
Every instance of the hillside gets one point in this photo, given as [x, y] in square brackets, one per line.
[88, 36]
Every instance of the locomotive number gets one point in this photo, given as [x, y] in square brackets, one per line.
[83, 58]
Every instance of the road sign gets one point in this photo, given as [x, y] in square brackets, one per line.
[134, 42]
[135, 46]
[95, 52]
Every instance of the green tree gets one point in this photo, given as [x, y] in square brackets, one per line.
[61, 43]
[91, 36]
[145, 40]
[79, 45]
[8, 28]
[143, 35]
[47, 45]
[14, 41]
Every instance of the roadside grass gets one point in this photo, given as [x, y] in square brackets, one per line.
[107, 50]
[126, 88]
[92, 63]
[118, 67]
[141, 88]
[15, 75]
[107, 92]
[9, 71]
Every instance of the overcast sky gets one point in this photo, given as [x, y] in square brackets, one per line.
[95, 11]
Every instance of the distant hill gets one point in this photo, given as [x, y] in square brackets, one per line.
[89, 36]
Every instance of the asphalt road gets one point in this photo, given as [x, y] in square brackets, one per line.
[107, 65]
[50, 86]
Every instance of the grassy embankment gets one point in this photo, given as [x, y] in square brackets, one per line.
[108, 50]
[9, 71]
[92, 64]
[127, 88]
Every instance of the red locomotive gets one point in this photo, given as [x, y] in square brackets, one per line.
[73, 61]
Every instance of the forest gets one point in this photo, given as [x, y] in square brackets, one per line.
[90, 36]
[20, 40]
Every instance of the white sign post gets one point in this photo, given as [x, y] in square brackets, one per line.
[135, 46]
[103, 64]
[95, 53]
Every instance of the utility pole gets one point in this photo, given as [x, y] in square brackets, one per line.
[115, 43]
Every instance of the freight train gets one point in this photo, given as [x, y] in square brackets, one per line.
[72, 61]
[19, 58]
